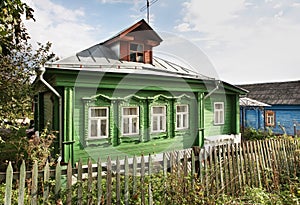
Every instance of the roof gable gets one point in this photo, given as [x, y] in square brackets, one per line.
[140, 26]
[278, 93]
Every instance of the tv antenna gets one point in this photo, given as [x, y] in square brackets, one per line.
[148, 4]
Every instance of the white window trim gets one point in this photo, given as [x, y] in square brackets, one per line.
[220, 113]
[130, 121]
[159, 116]
[270, 118]
[181, 127]
[90, 118]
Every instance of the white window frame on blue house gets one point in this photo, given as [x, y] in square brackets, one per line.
[270, 118]
[130, 122]
[219, 113]
[158, 119]
[98, 119]
[182, 117]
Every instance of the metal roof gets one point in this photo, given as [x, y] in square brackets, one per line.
[248, 102]
[102, 59]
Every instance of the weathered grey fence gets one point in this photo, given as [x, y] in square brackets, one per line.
[220, 169]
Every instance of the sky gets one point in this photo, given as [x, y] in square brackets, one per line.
[246, 41]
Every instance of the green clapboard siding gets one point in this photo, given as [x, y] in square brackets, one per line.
[229, 126]
[85, 89]
[144, 143]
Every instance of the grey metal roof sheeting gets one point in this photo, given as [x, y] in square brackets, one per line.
[102, 59]
[245, 102]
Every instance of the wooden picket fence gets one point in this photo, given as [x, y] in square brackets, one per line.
[223, 169]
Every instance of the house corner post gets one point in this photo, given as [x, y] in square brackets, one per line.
[68, 118]
[237, 115]
[114, 127]
[200, 119]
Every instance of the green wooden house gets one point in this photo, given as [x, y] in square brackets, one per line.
[116, 98]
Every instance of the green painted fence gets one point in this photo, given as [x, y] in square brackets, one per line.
[223, 169]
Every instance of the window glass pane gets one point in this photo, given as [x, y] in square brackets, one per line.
[94, 128]
[133, 111]
[182, 108]
[178, 121]
[184, 121]
[218, 106]
[154, 123]
[133, 47]
[126, 125]
[125, 111]
[140, 48]
[103, 128]
[158, 110]
[221, 117]
[96, 112]
[134, 125]
[129, 111]
[162, 123]
[133, 57]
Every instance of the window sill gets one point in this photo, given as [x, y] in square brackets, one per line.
[219, 124]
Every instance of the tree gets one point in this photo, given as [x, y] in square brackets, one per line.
[12, 30]
[18, 61]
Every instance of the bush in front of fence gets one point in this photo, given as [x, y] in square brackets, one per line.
[255, 172]
[168, 189]
[18, 147]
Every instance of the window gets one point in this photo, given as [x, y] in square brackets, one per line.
[136, 52]
[182, 117]
[158, 119]
[130, 120]
[218, 113]
[270, 118]
[98, 122]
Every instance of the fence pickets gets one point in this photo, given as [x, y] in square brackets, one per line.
[220, 169]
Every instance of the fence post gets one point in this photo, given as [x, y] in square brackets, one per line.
[46, 182]
[99, 182]
[150, 199]
[142, 180]
[69, 183]
[108, 181]
[118, 182]
[126, 183]
[34, 183]
[193, 169]
[90, 182]
[134, 186]
[22, 183]
[79, 181]
[8, 186]
[57, 180]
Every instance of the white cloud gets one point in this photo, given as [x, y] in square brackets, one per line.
[252, 42]
[62, 26]
[183, 27]
[277, 6]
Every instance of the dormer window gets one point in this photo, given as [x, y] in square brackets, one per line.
[135, 43]
[136, 52]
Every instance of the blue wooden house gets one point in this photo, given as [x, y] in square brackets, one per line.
[252, 113]
[283, 114]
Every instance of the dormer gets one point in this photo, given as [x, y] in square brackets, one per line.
[135, 43]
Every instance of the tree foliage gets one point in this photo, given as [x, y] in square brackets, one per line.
[18, 61]
[16, 76]
[12, 30]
